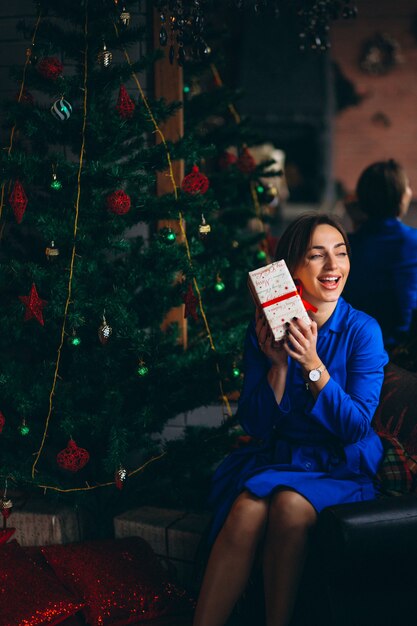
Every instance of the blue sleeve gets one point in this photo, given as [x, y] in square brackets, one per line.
[258, 411]
[347, 413]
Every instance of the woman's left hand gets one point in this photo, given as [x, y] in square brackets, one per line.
[301, 343]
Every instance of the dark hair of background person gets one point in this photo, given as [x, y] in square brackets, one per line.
[295, 241]
[380, 189]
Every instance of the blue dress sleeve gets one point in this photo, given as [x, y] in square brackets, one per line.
[347, 413]
[258, 410]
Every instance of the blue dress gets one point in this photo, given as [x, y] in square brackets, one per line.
[383, 275]
[323, 448]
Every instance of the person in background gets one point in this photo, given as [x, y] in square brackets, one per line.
[383, 274]
[307, 402]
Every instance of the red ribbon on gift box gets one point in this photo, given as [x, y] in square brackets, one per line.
[307, 305]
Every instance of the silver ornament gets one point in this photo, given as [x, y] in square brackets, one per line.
[61, 109]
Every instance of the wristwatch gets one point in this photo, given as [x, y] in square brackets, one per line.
[314, 375]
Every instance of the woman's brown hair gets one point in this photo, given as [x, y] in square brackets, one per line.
[295, 240]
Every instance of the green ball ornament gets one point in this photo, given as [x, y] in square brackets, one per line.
[260, 188]
[24, 429]
[171, 236]
[56, 184]
[235, 372]
[75, 341]
[219, 286]
[142, 370]
[261, 255]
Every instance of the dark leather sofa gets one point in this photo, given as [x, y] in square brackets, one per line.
[362, 566]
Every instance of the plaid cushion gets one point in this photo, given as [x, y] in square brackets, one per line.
[396, 415]
[398, 471]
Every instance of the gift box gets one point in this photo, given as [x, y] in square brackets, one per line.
[273, 289]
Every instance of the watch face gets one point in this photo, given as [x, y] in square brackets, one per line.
[314, 375]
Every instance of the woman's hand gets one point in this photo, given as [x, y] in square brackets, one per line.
[272, 349]
[301, 343]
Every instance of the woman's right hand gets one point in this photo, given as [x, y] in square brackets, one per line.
[272, 349]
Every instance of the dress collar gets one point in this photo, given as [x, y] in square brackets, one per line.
[337, 320]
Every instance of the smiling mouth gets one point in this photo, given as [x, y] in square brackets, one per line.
[330, 282]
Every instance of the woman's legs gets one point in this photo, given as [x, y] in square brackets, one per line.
[290, 519]
[231, 560]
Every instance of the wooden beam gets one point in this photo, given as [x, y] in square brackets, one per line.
[168, 84]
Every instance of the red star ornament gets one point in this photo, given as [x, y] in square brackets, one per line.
[34, 305]
[190, 302]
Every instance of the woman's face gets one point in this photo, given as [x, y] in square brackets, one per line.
[325, 268]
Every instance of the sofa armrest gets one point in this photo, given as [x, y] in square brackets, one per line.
[369, 531]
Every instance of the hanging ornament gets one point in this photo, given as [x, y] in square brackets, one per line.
[23, 428]
[142, 369]
[267, 193]
[190, 302]
[219, 286]
[163, 35]
[34, 305]
[235, 371]
[51, 251]
[31, 55]
[18, 201]
[246, 163]
[124, 18]
[120, 476]
[195, 182]
[261, 255]
[104, 57]
[56, 184]
[6, 506]
[226, 160]
[104, 331]
[204, 229]
[125, 105]
[73, 339]
[61, 109]
[118, 202]
[2, 422]
[72, 458]
[50, 68]
[168, 235]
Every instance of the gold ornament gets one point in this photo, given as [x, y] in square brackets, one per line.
[104, 57]
[51, 252]
[104, 332]
[204, 229]
[124, 18]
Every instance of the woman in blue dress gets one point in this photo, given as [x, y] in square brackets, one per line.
[385, 284]
[308, 402]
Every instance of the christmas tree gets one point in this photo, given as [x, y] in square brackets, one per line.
[91, 367]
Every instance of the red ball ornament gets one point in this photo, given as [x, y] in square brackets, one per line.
[246, 163]
[226, 160]
[125, 105]
[118, 202]
[195, 182]
[2, 422]
[72, 458]
[18, 201]
[50, 68]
